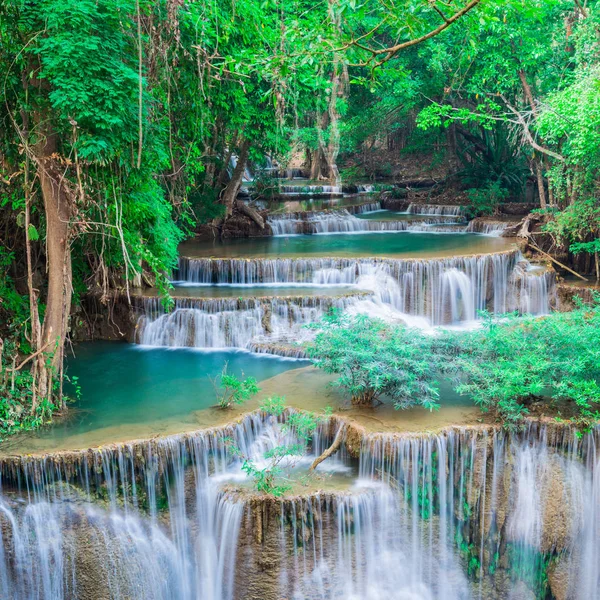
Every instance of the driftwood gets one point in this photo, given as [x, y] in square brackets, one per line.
[526, 224]
[335, 446]
[525, 233]
[251, 213]
[538, 249]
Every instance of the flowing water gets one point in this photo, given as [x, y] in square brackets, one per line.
[343, 221]
[465, 512]
[436, 209]
[471, 513]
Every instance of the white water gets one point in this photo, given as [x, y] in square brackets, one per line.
[507, 501]
[342, 221]
[232, 323]
[421, 293]
[495, 228]
[436, 209]
[53, 544]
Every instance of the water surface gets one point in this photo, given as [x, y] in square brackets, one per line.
[387, 244]
[130, 392]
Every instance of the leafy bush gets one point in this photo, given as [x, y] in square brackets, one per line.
[508, 364]
[231, 390]
[302, 425]
[353, 174]
[17, 412]
[375, 360]
[484, 201]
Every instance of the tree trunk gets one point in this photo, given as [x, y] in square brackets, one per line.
[537, 160]
[315, 164]
[251, 214]
[233, 187]
[540, 182]
[366, 400]
[57, 206]
[335, 446]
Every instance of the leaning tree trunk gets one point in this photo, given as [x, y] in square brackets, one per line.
[57, 207]
[539, 172]
[233, 187]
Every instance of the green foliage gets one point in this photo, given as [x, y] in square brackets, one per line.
[375, 361]
[17, 413]
[297, 425]
[232, 390]
[504, 367]
[578, 226]
[353, 174]
[485, 201]
[273, 405]
[513, 362]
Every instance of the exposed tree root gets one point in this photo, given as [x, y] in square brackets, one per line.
[335, 446]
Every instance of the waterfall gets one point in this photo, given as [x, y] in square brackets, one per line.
[436, 209]
[230, 322]
[441, 290]
[311, 190]
[526, 497]
[534, 289]
[342, 221]
[467, 513]
[495, 228]
[146, 521]
[367, 207]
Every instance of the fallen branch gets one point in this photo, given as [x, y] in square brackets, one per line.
[31, 356]
[335, 446]
[538, 249]
[252, 214]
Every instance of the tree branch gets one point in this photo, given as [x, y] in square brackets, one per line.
[528, 135]
[391, 51]
[335, 446]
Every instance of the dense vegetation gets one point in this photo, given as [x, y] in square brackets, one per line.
[122, 120]
[505, 367]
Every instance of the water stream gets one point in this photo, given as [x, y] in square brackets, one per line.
[467, 513]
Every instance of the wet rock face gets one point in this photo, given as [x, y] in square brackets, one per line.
[396, 204]
[111, 320]
[558, 516]
[559, 579]
[241, 226]
[505, 516]
[517, 208]
[277, 539]
[568, 295]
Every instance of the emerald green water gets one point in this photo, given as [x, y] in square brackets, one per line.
[392, 245]
[129, 392]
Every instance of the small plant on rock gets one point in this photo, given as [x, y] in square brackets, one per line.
[232, 390]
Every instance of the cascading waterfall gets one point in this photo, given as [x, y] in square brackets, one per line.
[469, 513]
[495, 228]
[436, 209]
[138, 521]
[342, 221]
[230, 322]
[534, 289]
[421, 293]
[441, 290]
[311, 190]
[367, 207]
